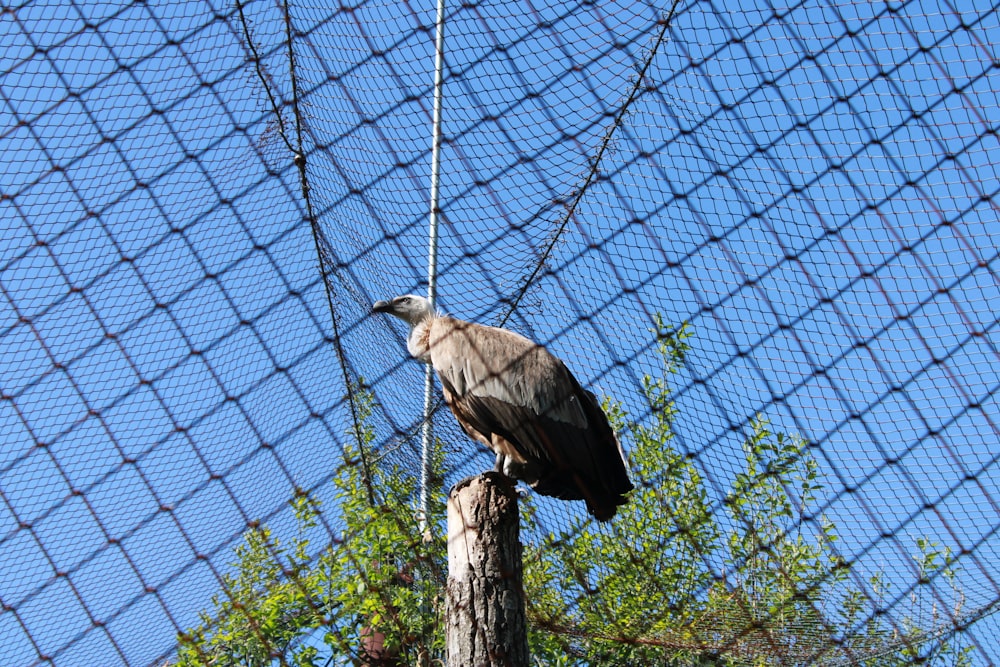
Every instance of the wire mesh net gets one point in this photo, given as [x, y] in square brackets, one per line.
[201, 200]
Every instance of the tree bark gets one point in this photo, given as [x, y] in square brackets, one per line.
[485, 618]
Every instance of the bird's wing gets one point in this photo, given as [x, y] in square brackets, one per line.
[492, 363]
[500, 383]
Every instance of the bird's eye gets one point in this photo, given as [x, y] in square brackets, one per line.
[406, 299]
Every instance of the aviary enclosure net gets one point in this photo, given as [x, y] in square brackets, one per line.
[199, 202]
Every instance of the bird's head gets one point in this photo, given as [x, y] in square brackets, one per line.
[410, 308]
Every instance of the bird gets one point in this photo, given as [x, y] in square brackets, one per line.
[520, 401]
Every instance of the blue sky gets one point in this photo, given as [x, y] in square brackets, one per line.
[809, 185]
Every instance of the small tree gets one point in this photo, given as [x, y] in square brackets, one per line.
[373, 597]
[648, 590]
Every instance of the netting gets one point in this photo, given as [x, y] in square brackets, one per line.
[185, 319]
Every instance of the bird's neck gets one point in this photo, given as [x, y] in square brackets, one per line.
[419, 341]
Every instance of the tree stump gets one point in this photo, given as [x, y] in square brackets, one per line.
[485, 618]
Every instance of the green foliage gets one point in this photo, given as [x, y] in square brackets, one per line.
[647, 590]
[386, 571]
[678, 578]
[911, 643]
[383, 578]
[264, 607]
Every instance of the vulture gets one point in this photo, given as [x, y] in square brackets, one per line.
[517, 399]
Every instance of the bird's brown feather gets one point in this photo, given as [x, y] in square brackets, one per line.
[506, 391]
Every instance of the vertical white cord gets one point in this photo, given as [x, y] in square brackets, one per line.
[428, 431]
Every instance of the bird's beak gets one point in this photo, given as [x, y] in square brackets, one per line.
[382, 307]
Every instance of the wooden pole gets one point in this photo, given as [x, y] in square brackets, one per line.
[485, 621]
